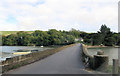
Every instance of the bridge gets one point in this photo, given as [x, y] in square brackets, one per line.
[67, 61]
[70, 59]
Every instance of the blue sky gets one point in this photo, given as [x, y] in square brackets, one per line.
[83, 15]
[11, 20]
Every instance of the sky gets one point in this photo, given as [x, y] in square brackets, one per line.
[83, 15]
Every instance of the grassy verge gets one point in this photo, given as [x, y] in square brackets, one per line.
[110, 67]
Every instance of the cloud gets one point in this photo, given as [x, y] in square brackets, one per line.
[59, 14]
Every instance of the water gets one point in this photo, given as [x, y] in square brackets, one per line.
[110, 51]
[6, 51]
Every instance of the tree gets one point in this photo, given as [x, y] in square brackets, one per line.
[74, 32]
[104, 30]
[106, 35]
[23, 38]
[118, 43]
[109, 41]
[9, 40]
[96, 39]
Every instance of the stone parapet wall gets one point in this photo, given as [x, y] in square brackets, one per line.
[97, 62]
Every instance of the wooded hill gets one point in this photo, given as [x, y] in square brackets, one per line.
[53, 37]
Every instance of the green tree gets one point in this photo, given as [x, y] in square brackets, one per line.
[106, 36]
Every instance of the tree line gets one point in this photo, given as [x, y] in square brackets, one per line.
[104, 36]
[38, 38]
[53, 37]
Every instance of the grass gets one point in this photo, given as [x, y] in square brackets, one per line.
[110, 67]
[17, 66]
[11, 32]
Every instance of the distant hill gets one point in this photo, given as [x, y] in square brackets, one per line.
[11, 32]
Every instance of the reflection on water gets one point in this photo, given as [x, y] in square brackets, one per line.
[6, 51]
[110, 51]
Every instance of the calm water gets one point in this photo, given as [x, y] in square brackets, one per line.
[6, 51]
[110, 51]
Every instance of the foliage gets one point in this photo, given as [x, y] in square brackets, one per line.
[103, 36]
[38, 38]
[53, 37]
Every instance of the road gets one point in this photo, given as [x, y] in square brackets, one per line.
[67, 61]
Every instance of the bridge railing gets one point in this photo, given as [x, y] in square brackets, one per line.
[96, 62]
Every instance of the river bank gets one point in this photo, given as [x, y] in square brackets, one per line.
[96, 46]
[100, 46]
[8, 51]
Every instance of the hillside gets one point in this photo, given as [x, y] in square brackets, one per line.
[11, 32]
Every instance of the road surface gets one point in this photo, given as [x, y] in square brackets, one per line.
[67, 61]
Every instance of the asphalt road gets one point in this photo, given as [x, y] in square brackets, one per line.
[67, 61]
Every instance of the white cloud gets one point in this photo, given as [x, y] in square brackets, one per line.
[59, 14]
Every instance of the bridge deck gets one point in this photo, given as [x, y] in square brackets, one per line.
[66, 61]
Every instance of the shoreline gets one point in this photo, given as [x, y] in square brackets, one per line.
[96, 46]
[99, 46]
[117, 46]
